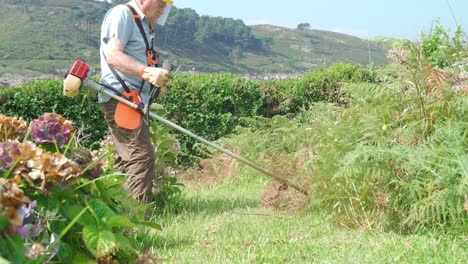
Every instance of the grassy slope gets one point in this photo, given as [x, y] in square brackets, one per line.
[226, 224]
[294, 49]
[50, 34]
[46, 36]
[286, 50]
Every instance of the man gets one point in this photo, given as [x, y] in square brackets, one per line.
[128, 67]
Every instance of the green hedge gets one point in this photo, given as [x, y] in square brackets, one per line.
[37, 97]
[323, 84]
[210, 105]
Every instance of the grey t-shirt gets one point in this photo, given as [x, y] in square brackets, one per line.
[119, 22]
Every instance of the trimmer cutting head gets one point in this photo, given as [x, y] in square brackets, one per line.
[75, 78]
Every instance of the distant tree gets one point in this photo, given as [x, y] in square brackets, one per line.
[226, 31]
[303, 26]
[236, 54]
[180, 26]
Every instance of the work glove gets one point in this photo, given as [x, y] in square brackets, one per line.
[163, 91]
[156, 76]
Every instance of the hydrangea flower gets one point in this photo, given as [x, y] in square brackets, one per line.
[9, 151]
[26, 213]
[84, 158]
[37, 249]
[13, 128]
[49, 167]
[96, 170]
[51, 128]
[12, 198]
[36, 165]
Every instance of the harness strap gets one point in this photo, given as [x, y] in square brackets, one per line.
[151, 56]
[122, 82]
[152, 60]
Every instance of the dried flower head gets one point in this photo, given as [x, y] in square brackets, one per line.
[30, 155]
[175, 147]
[96, 170]
[52, 167]
[12, 128]
[106, 146]
[81, 156]
[12, 195]
[12, 198]
[84, 158]
[34, 250]
[398, 55]
[51, 128]
[37, 165]
[9, 152]
[37, 249]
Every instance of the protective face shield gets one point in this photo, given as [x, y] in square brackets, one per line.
[163, 17]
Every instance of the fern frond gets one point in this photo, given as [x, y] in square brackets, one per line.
[435, 80]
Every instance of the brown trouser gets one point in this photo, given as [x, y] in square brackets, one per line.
[134, 153]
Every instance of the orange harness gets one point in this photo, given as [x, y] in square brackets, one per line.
[126, 116]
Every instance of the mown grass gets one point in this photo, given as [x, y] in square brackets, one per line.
[227, 224]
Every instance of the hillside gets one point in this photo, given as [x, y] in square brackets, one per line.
[42, 36]
[292, 49]
[45, 35]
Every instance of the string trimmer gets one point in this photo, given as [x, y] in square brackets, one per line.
[78, 78]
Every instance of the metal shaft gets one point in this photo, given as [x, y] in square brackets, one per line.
[102, 89]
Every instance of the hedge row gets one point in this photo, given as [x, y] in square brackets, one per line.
[210, 105]
[37, 97]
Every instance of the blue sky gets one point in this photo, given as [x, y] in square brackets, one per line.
[362, 18]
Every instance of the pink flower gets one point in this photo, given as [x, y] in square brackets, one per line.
[51, 128]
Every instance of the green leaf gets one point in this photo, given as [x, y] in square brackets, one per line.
[115, 191]
[3, 223]
[90, 238]
[124, 243]
[101, 209]
[99, 243]
[12, 248]
[150, 224]
[119, 221]
[82, 259]
[73, 210]
[106, 243]
[132, 207]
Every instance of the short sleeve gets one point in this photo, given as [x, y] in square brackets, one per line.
[117, 23]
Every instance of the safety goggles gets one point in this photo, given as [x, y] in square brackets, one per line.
[163, 17]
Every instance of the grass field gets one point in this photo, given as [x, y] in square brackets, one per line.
[226, 223]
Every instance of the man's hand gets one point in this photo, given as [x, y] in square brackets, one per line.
[156, 76]
[163, 91]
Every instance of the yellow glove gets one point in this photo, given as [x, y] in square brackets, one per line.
[156, 76]
[163, 91]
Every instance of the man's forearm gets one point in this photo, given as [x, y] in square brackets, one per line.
[124, 63]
